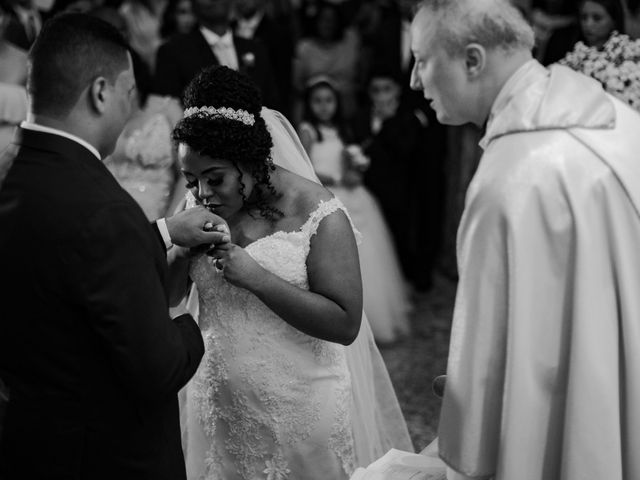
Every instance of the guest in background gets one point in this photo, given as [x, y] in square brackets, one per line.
[253, 21]
[339, 166]
[597, 20]
[178, 18]
[143, 19]
[23, 23]
[402, 174]
[632, 18]
[76, 6]
[387, 52]
[144, 160]
[183, 56]
[333, 50]
[13, 75]
[547, 16]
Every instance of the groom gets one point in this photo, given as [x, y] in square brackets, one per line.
[544, 365]
[92, 360]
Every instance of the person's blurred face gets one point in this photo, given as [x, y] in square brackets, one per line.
[384, 93]
[214, 182]
[247, 8]
[383, 89]
[323, 103]
[327, 24]
[441, 76]
[185, 19]
[596, 23]
[212, 11]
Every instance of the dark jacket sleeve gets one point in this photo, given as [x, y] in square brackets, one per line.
[122, 278]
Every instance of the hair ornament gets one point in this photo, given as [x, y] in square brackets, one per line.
[224, 112]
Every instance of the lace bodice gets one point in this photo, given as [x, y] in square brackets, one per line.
[264, 388]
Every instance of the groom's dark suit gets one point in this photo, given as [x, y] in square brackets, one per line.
[87, 348]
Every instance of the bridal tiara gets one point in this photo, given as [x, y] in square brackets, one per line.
[237, 115]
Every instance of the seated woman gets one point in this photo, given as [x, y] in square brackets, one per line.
[597, 20]
[291, 385]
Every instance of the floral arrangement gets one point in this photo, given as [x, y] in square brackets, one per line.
[616, 66]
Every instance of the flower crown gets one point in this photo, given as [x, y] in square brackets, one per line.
[237, 115]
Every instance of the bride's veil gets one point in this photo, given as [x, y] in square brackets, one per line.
[378, 423]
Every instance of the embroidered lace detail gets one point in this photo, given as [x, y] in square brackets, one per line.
[264, 388]
[325, 209]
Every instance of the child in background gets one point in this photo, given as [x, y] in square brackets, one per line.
[339, 166]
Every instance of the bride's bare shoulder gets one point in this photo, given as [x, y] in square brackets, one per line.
[305, 195]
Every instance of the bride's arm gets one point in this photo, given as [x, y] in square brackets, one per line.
[332, 307]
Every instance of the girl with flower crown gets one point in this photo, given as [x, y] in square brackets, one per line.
[291, 385]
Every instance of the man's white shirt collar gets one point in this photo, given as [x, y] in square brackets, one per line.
[213, 38]
[29, 125]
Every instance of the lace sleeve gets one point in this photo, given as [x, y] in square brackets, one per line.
[326, 208]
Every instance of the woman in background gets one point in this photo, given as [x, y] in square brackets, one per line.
[333, 50]
[597, 20]
[178, 18]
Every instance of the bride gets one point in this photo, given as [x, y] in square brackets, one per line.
[291, 385]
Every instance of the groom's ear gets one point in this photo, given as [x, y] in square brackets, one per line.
[98, 94]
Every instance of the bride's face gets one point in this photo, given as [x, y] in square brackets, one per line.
[215, 182]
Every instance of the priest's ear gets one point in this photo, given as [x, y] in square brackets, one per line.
[475, 59]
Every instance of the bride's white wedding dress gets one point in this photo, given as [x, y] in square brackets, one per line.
[270, 402]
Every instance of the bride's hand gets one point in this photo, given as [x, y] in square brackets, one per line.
[238, 267]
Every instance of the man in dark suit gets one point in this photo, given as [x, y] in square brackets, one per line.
[185, 55]
[91, 357]
[277, 35]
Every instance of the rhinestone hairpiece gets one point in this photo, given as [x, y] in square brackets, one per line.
[237, 115]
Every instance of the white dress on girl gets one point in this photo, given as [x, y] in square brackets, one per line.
[384, 292]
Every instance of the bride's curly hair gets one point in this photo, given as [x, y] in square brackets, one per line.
[244, 145]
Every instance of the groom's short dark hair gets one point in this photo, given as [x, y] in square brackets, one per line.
[71, 51]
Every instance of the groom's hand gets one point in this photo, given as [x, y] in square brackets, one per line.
[197, 226]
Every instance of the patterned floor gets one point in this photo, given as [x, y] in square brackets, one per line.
[414, 362]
